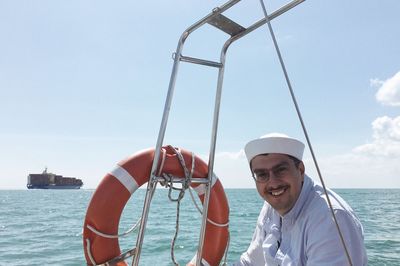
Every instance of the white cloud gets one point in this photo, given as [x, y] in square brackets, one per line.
[374, 164]
[389, 92]
[232, 155]
[386, 138]
[355, 170]
[233, 170]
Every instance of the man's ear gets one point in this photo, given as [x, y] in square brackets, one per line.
[302, 168]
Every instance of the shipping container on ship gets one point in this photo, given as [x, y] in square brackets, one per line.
[48, 180]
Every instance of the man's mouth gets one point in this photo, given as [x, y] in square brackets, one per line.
[276, 192]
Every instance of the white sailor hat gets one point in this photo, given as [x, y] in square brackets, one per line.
[274, 143]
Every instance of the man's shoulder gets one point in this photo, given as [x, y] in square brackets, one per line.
[319, 199]
[318, 206]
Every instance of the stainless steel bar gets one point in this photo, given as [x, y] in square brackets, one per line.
[211, 155]
[145, 211]
[152, 183]
[216, 112]
[122, 257]
[200, 61]
[176, 179]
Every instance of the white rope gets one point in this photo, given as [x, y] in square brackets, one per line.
[226, 250]
[97, 232]
[304, 127]
[195, 202]
[185, 185]
[121, 257]
[201, 212]
[164, 154]
[89, 253]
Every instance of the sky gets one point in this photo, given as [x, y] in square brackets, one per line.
[83, 85]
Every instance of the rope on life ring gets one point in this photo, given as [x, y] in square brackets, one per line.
[112, 194]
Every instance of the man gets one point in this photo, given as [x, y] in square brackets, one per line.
[295, 225]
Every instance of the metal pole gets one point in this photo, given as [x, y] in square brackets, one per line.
[161, 134]
[216, 114]
[212, 154]
[164, 121]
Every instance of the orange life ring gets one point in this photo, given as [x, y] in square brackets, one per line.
[115, 189]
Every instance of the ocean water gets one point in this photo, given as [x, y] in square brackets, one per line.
[43, 227]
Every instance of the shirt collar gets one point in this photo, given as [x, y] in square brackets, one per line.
[305, 190]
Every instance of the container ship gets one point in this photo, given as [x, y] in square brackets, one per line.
[48, 180]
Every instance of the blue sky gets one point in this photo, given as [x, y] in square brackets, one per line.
[83, 85]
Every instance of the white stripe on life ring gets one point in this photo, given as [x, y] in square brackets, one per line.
[125, 178]
[203, 261]
[201, 189]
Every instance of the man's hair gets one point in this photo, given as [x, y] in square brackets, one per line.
[295, 160]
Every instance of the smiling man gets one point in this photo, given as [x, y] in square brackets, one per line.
[295, 225]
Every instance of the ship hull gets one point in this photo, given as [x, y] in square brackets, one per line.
[53, 187]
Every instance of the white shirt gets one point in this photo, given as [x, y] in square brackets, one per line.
[307, 234]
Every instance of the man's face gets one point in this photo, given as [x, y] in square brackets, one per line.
[283, 186]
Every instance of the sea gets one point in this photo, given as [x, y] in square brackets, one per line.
[44, 227]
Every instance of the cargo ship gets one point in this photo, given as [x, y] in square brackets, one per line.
[48, 180]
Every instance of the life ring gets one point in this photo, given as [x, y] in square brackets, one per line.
[109, 199]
